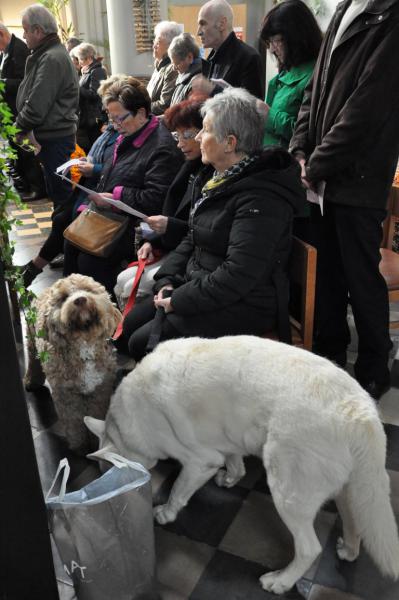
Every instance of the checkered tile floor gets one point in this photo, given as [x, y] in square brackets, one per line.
[33, 221]
[225, 539]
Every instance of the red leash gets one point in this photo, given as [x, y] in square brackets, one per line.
[140, 264]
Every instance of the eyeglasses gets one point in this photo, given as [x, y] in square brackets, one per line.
[119, 120]
[186, 135]
[275, 40]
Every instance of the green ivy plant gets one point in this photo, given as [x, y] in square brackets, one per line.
[8, 197]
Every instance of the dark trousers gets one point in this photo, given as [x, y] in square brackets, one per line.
[348, 240]
[28, 168]
[54, 153]
[137, 328]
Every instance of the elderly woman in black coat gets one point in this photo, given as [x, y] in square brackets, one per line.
[222, 276]
[144, 163]
[90, 108]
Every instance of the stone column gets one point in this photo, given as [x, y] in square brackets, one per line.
[124, 58]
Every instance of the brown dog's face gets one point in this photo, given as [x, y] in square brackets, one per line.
[78, 306]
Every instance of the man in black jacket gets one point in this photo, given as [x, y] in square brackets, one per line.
[230, 59]
[347, 135]
[28, 177]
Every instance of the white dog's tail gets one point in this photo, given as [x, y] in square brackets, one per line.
[369, 497]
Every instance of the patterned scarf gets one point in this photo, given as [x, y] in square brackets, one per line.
[219, 178]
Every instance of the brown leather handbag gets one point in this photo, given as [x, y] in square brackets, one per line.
[97, 232]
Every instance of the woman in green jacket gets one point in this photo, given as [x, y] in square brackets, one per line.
[292, 35]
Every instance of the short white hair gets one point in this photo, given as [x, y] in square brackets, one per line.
[220, 8]
[3, 27]
[167, 30]
[235, 112]
[181, 46]
[85, 50]
[37, 15]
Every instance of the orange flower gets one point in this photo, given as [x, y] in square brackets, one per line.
[75, 173]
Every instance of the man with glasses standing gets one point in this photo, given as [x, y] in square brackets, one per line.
[347, 139]
[47, 104]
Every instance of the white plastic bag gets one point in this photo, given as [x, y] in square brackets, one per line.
[104, 532]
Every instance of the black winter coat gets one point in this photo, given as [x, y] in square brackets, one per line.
[90, 105]
[144, 168]
[13, 70]
[348, 125]
[237, 63]
[239, 238]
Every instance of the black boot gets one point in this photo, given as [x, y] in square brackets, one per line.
[29, 272]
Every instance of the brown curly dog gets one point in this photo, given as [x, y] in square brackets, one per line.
[75, 319]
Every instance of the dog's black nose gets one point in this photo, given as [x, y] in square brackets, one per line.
[81, 301]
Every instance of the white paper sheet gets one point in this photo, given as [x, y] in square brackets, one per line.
[117, 203]
[66, 166]
[317, 197]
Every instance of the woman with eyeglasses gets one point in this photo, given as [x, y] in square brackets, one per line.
[143, 164]
[185, 121]
[292, 35]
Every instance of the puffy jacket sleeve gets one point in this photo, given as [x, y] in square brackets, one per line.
[173, 269]
[161, 169]
[175, 232]
[256, 230]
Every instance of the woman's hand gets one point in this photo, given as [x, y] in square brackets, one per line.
[158, 223]
[96, 198]
[166, 303]
[85, 167]
[145, 252]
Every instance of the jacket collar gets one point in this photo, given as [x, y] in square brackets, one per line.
[195, 67]
[295, 74]
[224, 49]
[94, 65]
[162, 63]
[48, 42]
[138, 139]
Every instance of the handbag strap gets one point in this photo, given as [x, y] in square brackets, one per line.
[64, 464]
[140, 264]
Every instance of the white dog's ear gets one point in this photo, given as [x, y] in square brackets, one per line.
[96, 426]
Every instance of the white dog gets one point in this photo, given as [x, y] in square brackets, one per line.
[75, 318]
[208, 403]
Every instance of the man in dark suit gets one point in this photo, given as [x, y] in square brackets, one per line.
[230, 59]
[28, 177]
